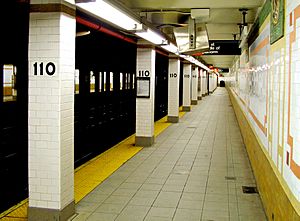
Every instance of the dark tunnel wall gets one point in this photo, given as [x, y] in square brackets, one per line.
[103, 116]
[181, 84]
[161, 86]
[14, 110]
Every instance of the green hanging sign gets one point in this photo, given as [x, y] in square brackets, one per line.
[277, 20]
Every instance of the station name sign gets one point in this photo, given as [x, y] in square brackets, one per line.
[223, 47]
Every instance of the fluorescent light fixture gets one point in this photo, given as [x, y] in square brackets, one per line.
[171, 48]
[151, 36]
[111, 14]
[82, 33]
[195, 61]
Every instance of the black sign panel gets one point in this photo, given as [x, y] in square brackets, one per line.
[223, 70]
[223, 47]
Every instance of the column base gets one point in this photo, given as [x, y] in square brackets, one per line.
[194, 102]
[37, 214]
[144, 141]
[199, 98]
[173, 119]
[186, 108]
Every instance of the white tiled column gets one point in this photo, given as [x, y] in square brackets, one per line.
[173, 89]
[145, 105]
[195, 86]
[204, 83]
[210, 83]
[187, 75]
[200, 84]
[51, 110]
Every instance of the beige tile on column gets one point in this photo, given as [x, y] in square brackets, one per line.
[173, 89]
[145, 95]
[194, 86]
[204, 83]
[200, 84]
[187, 75]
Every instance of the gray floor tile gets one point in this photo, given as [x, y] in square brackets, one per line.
[178, 182]
[80, 216]
[215, 214]
[173, 188]
[195, 188]
[156, 218]
[161, 212]
[136, 209]
[103, 190]
[190, 204]
[141, 201]
[123, 200]
[124, 192]
[193, 181]
[86, 206]
[193, 196]
[220, 206]
[154, 180]
[101, 217]
[127, 185]
[133, 213]
[136, 179]
[147, 193]
[167, 199]
[212, 197]
[187, 215]
[217, 190]
[110, 208]
[251, 217]
[151, 186]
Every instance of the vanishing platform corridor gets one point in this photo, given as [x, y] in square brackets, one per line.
[196, 170]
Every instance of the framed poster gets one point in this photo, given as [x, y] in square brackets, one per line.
[143, 87]
[277, 20]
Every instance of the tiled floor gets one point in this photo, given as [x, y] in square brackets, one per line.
[195, 171]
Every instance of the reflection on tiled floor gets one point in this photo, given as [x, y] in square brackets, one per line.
[195, 171]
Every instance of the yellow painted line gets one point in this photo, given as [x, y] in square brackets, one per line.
[92, 173]
[161, 125]
[181, 114]
[89, 175]
[19, 211]
[13, 219]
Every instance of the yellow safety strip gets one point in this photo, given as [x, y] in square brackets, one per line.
[89, 175]
[92, 173]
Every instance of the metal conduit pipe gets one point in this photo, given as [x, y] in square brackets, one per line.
[111, 33]
[104, 30]
[161, 52]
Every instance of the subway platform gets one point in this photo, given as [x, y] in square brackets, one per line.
[198, 169]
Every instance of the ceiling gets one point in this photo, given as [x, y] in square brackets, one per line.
[222, 23]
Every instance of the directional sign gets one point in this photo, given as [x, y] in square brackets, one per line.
[223, 47]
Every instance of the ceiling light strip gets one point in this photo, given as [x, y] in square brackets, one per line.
[151, 36]
[110, 13]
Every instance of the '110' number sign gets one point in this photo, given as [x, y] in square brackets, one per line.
[39, 69]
